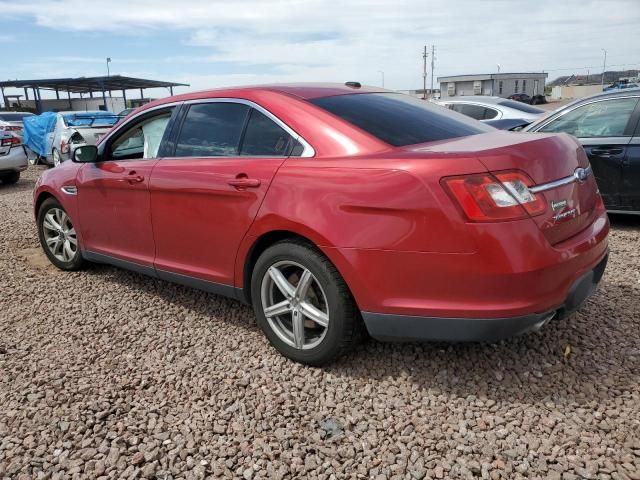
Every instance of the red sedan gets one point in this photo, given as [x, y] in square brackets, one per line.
[333, 208]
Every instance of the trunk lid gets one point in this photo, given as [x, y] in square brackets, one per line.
[545, 158]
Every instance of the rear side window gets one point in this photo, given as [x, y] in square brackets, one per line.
[264, 137]
[475, 111]
[399, 119]
[212, 130]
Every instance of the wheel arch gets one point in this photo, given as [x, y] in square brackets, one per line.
[40, 199]
[260, 243]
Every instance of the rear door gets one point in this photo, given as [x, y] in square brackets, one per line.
[604, 128]
[205, 195]
[631, 170]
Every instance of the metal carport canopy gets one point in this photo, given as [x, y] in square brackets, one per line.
[90, 84]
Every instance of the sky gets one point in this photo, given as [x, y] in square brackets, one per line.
[210, 43]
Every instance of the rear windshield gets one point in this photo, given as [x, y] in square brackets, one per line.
[13, 117]
[523, 107]
[399, 119]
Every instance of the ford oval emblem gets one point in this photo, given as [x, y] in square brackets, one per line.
[581, 174]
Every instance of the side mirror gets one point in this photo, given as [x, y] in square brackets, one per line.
[85, 154]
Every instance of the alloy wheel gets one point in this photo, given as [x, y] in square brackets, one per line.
[295, 305]
[59, 235]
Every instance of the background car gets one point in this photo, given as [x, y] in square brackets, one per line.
[53, 135]
[608, 127]
[485, 108]
[327, 205]
[13, 122]
[520, 97]
[13, 157]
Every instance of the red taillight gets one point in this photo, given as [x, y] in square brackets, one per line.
[10, 141]
[487, 197]
[10, 128]
[64, 146]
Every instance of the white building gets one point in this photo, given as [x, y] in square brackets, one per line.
[495, 84]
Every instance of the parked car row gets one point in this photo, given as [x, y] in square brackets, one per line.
[54, 135]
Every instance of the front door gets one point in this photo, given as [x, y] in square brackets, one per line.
[205, 197]
[114, 201]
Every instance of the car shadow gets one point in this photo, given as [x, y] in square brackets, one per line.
[583, 358]
[624, 222]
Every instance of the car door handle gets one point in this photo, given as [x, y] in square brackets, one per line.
[133, 177]
[606, 151]
[242, 181]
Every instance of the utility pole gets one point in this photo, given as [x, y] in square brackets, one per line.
[424, 74]
[433, 59]
[604, 66]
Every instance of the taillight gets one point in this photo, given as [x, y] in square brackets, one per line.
[10, 128]
[487, 197]
[64, 146]
[10, 141]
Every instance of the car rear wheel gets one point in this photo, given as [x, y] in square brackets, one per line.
[10, 178]
[302, 303]
[58, 236]
[57, 159]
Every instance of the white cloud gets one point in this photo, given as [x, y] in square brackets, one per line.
[318, 40]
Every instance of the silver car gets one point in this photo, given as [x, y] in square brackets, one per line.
[73, 129]
[13, 157]
[493, 109]
[12, 122]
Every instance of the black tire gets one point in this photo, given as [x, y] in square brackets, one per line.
[344, 326]
[10, 178]
[74, 263]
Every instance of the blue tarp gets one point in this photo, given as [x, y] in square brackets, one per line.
[36, 130]
[93, 119]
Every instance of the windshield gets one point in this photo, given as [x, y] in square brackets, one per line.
[90, 119]
[13, 116]
[523, 107]
[399, 119]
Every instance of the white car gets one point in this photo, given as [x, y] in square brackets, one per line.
[72, 129]
[492, 109]
[13, 157]
[12, 122]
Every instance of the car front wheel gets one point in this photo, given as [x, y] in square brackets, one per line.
[58, 236]
[302, 303]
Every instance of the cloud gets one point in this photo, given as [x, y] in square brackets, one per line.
[319, 40]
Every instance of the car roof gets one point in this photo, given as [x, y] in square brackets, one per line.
[601, 96]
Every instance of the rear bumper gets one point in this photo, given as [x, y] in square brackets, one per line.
[396, 327]
[16, 160]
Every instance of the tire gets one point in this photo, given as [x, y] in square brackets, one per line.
[10, 178]
[324, 296]
[53, 222]
[56, 159]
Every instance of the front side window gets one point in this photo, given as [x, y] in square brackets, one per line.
[212, 130]
[398, 119]
[142, 140]
[607, 118]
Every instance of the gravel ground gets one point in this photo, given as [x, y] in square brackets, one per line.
[108, 374]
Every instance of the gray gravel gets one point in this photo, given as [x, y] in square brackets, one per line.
[108, 374]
